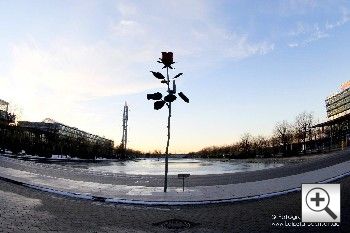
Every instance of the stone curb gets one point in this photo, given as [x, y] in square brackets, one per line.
[163, 203]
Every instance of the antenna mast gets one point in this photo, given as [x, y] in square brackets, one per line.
[125, 129]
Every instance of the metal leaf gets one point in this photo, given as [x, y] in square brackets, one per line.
[158, 75]
[178, 75]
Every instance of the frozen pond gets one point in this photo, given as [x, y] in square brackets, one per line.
[176, 166]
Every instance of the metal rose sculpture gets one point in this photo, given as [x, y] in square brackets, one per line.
[159, 101]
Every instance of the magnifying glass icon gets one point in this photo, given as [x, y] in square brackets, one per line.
[317, 199]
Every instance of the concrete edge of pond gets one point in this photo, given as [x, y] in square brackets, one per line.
[323, 175]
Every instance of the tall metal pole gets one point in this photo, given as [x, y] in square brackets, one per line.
[126, 109]
[167, 144]
[125, 129]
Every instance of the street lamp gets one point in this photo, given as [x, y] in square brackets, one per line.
[160, 101]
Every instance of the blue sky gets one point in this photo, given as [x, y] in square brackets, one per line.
[246, 65]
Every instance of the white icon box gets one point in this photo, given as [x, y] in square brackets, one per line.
[320, 202]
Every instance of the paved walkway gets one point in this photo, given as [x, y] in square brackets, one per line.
[137, 189]
[28, 210]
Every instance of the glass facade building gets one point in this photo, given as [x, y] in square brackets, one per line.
[339, 104]
[64, 131]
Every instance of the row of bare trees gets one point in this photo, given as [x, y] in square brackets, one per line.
[287, 139]
[298, 133]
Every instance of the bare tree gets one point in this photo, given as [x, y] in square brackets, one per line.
[283, 132]
[246, 143]
[303, 124]
[260, 143]
[157, 152]
[16, 110]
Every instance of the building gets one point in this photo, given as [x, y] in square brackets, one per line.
[338, 105]
[336, 129]
[49, 137]
[6, 117]
[64, 131]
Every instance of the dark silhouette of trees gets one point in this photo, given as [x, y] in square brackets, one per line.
[283, 133]
[260, 146]
[246, 145]
[303, 124]
[287, 139]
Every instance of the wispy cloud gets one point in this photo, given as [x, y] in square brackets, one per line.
[55, 79]
[243, 48]
[292, 45]
[299, 7]
[304, 33]
[299, 30]
[128, 28]
[189, 32]
[344, 19]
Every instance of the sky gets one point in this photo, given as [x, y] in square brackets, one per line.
[246, 65]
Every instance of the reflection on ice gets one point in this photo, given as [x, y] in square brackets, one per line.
[176, 166]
